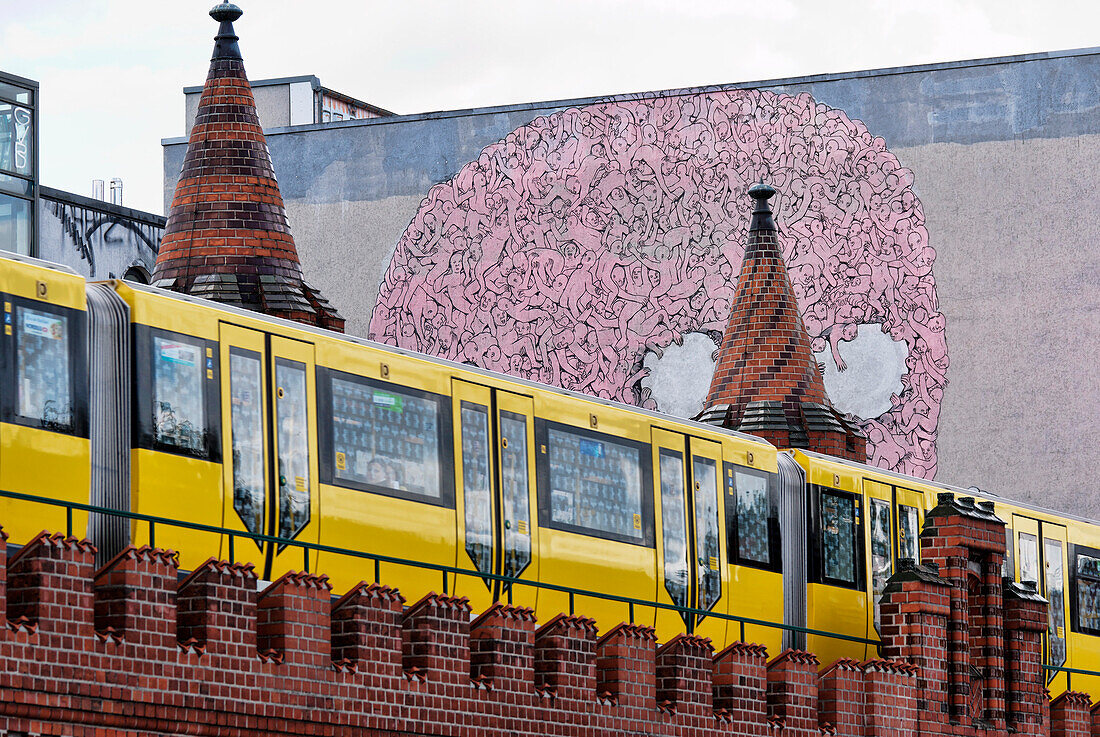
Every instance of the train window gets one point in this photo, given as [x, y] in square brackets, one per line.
[44, 388]
[595, 484]
[1055, 594]
[908, 533]
[292, 417]
[383, 438]
[179, 409]
[1087, 582]
[674, 526]
[515, 477]
[839, 528]
[704, 472]
[246, 426]
[476, 495]
[750, 517]
[1029, 558]
[882, 563]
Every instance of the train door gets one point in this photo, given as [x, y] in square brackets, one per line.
[893, 533]
[495, 493]
[689, 538]
[270, 447]
[1041, 550]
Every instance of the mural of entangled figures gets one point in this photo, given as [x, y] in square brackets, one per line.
[591, 237]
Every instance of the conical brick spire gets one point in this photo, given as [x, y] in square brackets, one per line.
[227, 237]
[767, 382]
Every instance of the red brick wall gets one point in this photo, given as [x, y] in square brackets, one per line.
[133, 650]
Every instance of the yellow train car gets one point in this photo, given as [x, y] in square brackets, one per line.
[44, 445]
[266, 426]
[152, 402]
[862, 520]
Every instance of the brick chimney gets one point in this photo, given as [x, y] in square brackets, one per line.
[766, 381]
[227, 237]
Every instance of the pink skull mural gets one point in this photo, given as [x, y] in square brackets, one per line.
[590, 237]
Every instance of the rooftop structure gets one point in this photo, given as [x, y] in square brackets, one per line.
[228, 238]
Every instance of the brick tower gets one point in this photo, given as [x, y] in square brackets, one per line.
[767, 382]
[227, 237]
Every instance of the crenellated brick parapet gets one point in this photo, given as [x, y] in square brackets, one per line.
[133, 649]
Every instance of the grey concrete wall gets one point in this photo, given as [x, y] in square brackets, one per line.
[1001, 152]
[97, 240]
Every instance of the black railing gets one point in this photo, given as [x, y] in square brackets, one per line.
[508, 582]
[1069, 673]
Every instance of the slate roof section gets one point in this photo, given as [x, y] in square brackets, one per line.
[227, 238]
[767, 381]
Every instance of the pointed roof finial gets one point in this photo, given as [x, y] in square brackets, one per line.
[225, 46]
[762, 213]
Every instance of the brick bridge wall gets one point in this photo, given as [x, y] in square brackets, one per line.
[132, 650]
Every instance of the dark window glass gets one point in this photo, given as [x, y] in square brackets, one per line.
[515, 481]
[704, 471]
[752, 517]
[908, 533]
[1088, 592]
[596, 484]
[476, 494]
[43, 368]
[16, 139]
[246, 425]
[386, 438]
[179, 407]
[15, 93]
[674, 526]
[292, 415]
[1055, 595]
[15, 224]
[838, 532]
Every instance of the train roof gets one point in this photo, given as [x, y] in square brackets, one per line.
[434, 359]
[971, 491]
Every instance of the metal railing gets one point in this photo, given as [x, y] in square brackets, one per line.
[508, 582]
[1070, 673]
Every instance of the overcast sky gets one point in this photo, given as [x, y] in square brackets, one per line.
[112, 72]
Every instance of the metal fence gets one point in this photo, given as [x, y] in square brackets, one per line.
[445, 571]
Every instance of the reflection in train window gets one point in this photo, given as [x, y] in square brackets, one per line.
[1029, 558]
[476, 494]
[752, 517]
[1055, 595]
[385, 438]
[247, 430]
[292, 416]
[179, 404]
[43, 381]
[674, 526]
[596, 485]
[881, 549]
[838, 539]
[514, 482]
[1088, 592]
[908, 533]
[705, 473]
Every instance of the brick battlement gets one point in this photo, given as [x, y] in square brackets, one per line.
[134, 649]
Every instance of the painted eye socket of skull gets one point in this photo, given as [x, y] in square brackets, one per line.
[643, 160]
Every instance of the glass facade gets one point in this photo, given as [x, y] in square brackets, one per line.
[18, 163]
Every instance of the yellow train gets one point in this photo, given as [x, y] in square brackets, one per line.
[138, 399]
